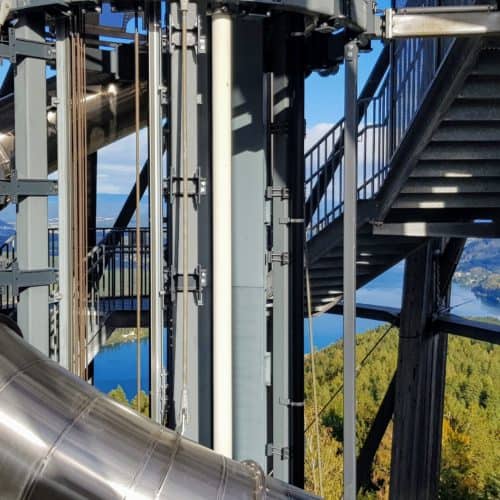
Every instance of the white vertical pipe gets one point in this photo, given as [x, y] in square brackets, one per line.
[222, 279]
[156, 216]
[64, 192]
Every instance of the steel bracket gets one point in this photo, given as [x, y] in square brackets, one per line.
[197, 281]
[289, 220]
[21, 188]
[282, 258]
[19, 280]
[194, 37]
[283, 453]
[291, 404]
[277, 192]
[17, 47]
[197, 187]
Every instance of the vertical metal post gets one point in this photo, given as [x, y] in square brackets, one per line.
[91, 199]
[155, 211]
[350, 199]
[250, 370]
[184, 86]
[222, 26]
[30, 98]
[64, 191]
[280, 114]
[296, 135]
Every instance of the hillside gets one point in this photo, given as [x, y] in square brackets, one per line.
[471, 429]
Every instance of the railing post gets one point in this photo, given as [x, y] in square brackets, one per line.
[350, 192]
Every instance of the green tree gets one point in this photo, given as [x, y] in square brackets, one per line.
[118, 394]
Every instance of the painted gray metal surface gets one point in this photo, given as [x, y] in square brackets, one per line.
[31, 162]
[349, 277]
[279, 93]
[156, 175]
[249, 244]
[176, 216]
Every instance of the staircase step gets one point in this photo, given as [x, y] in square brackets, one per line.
[443, 185]
[474, 109]
[462, 151]
[457, 169]
[487, 63]
[480, 87]
[467, 131]
[367, 260]
[440, 201]
[377, 249]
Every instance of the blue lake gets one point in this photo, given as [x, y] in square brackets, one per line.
[117, 365]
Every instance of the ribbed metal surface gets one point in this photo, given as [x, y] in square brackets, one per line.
[62, 439]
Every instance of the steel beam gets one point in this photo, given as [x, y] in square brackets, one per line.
[377, 313]
[374, 437]
[186, 376]
[349, 242]
[156, 175]
[286, 193]
[468, 328]
[439, 229]
[30, 97]
[296, 64]
[280, 104]
[418, 413]
[442, 21]
[249, 245]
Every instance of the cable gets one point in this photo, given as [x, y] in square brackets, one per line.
[361, 364]
[313, 367]
[137, 211]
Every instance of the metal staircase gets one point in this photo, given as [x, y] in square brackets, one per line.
[429, 165]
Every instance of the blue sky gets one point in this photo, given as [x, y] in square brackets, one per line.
[324, 105]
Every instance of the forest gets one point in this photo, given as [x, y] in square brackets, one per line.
[470, 463]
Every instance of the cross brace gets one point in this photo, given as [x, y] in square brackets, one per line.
[19, 280]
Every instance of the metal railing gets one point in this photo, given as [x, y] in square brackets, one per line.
[112, 268]
[385, 115]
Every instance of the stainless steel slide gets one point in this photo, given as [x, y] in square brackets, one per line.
[62, 439]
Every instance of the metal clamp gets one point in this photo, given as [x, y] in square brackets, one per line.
[289, 220]
[283, 453]
[174, 187]
[21, 188]
[19, 280]
[291, 404]
[194, 37]
[197, 281]
[277, 192]
[26, 48]
[282, 258]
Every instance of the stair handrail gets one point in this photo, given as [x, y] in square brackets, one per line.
[335, 157]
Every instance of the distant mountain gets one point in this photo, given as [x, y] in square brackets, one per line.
[483, 253]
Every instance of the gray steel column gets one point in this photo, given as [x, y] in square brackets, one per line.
[30, 105]
[156, 175]
[420, 380]
[250, 370]
[350, 200]
[177, 214]
[280, 114]
[64, 190]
